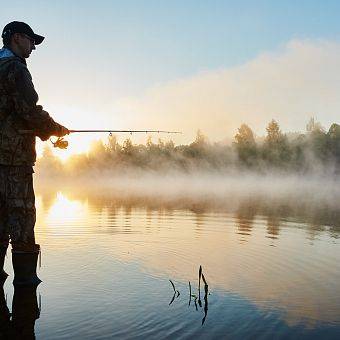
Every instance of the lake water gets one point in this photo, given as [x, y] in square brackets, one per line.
[272, 268]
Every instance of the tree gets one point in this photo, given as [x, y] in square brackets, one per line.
[198, 148]
[149, 143]
[112, 145]
[170, 145]
[201, 139]
[245, 145]
[274, 134]
[127, 147]
[276, 148]
[317, 140]
[313, 125]
[334, 142]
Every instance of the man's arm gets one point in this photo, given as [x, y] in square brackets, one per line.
[25, 106]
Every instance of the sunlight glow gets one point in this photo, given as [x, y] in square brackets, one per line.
[78, 144]
[63, 210]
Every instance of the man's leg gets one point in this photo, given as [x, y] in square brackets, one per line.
[21, 206]
[4, 240]
[4, 235]
[4, 232]
[21, 221]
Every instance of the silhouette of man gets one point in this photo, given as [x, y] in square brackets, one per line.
[19, 111]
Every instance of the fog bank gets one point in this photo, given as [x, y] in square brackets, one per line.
[215, 189]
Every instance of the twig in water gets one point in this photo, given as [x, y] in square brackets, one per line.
[203, 278]
[189, 293]
[173, 298]
[196, 303]
[175, 291]
[199, 286]
[199, 277]
[206, 292]
[173, 286]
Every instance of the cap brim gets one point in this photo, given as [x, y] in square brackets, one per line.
[38, 39]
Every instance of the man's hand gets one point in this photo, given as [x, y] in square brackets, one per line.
[63, 131]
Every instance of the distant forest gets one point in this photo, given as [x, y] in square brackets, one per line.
[315, 151]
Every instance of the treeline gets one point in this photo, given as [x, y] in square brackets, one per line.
[316, 150]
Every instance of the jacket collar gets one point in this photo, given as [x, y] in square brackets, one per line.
[6, 52]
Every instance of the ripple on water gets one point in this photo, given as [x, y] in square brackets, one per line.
[266, 275]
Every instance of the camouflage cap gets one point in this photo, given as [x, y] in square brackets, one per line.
[21, 27]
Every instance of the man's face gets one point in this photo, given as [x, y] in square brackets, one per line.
[25, 44]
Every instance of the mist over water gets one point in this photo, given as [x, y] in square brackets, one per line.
[310, 200]
[212, 190]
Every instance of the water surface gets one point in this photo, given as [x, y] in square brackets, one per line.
[272, 268]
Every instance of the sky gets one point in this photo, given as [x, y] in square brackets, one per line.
[184, 65]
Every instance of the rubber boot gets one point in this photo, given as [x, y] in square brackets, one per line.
[25, 312]
[25, 266]
[3, 274]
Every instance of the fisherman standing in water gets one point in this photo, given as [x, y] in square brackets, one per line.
[19, 111]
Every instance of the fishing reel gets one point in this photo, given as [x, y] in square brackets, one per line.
[60, 143]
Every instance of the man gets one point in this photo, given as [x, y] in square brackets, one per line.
[19, 111]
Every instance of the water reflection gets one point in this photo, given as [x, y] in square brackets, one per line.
[168, 238]
[25, 311]
[245, 215]
[318, 216]
[273, 227]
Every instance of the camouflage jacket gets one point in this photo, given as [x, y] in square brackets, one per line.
[19, 111]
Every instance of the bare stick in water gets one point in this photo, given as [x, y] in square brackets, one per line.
[175, 291]
[205, 303]
[173, 298]
[199, 286]
[203, 278]
[173, 286]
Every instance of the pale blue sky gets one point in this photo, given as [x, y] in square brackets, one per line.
[156, 41]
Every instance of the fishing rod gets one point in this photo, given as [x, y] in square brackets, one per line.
[61, 143]
[129, 131]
